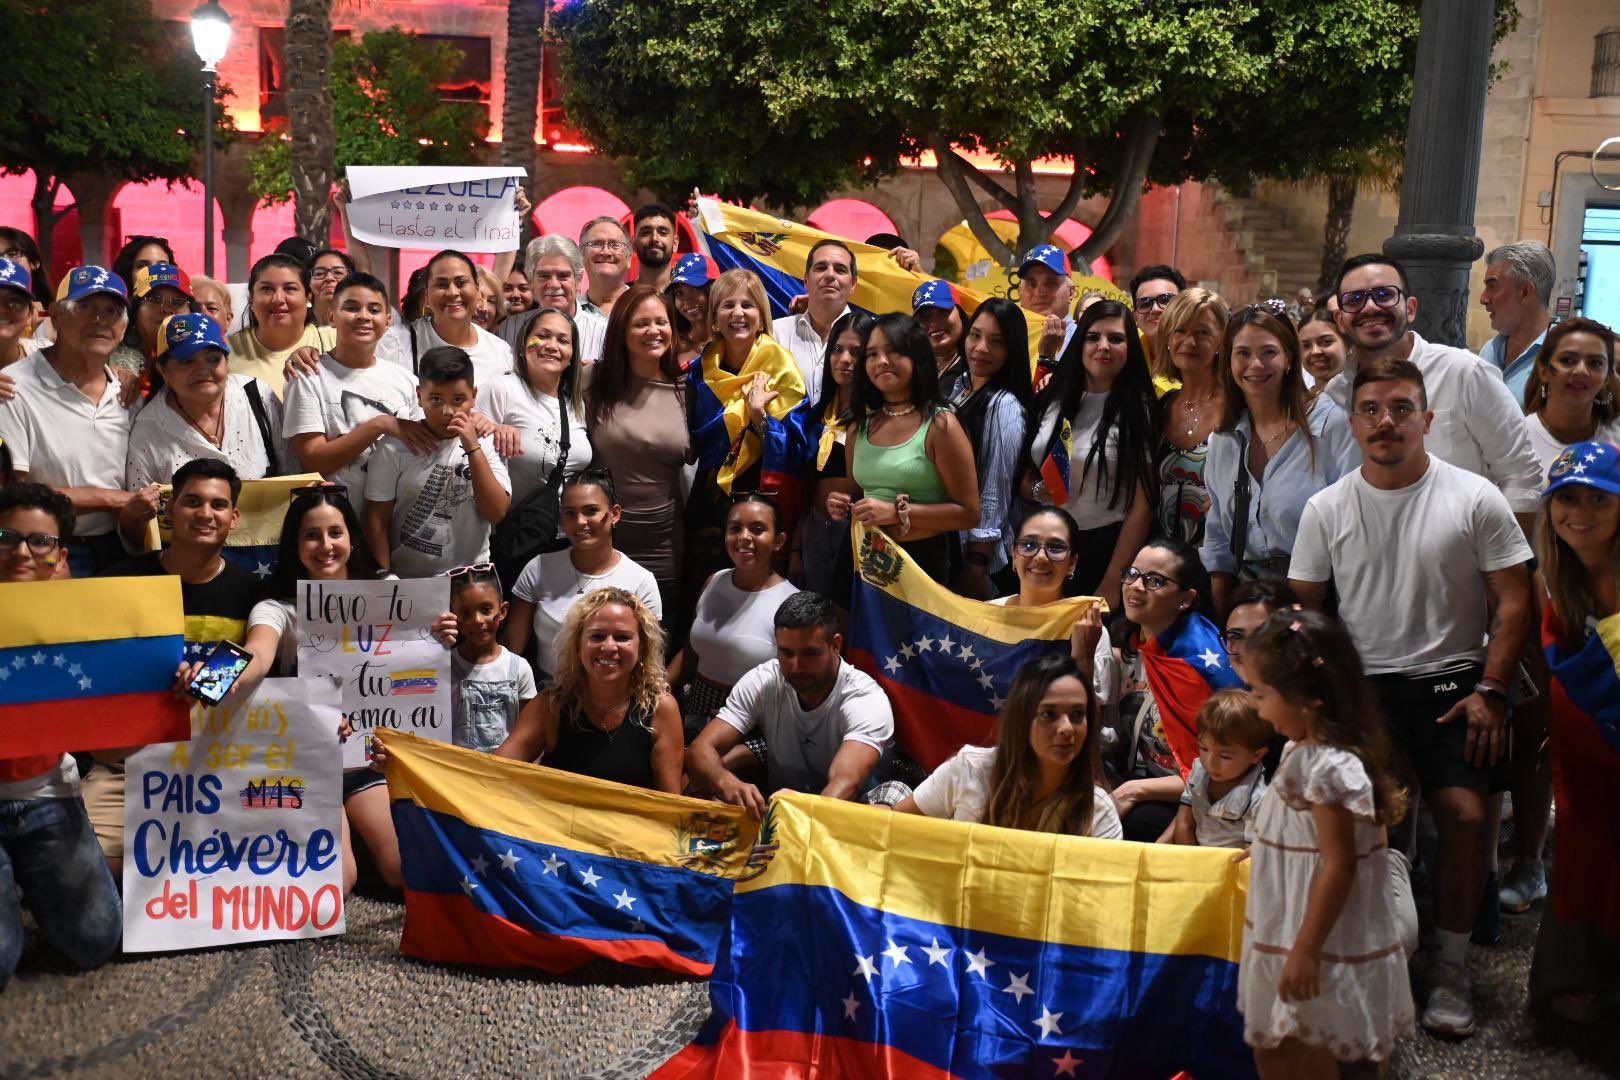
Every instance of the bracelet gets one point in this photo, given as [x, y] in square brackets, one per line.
[1496, 681]
[1038, 490]
[475, 450]
[1485, 689]
[902, 510]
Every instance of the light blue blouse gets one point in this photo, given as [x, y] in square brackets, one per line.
[1277, 498]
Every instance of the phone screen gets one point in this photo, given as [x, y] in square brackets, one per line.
[220, 672]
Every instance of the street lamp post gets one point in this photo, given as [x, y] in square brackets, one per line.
[210, 36]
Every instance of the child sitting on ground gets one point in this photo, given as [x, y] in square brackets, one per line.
[428, 512]
[1226, 782]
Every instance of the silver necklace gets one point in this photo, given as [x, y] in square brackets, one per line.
[891, 411]
[1195, 409]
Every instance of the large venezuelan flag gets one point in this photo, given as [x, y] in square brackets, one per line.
[515, 865]
[254, 543]
[945, 661]
[1184, 666]
[883, 945]
[776, 249]
[89, 665]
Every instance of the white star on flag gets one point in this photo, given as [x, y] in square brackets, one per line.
[1211, 658]
[75, 670]
[58, 660]
[5, 673]
[966, 653]
[907, 651]
[1048, 1023]
[551, 863]
[851, 1003]
[468, 885]
[897, 953]
[946, 645]
[997, 702]
[864, 966]
[263, 570]
[84, 684]
[509, 861]
[480, 864]
[925, 644]
[986, 681]
[936, 952]
[979, 963]
[590, 877]
[623, 900]
[1066, 1064]
[1019, 987]
[39, 658]
[19, 663]
[892, 664]
[637, 925]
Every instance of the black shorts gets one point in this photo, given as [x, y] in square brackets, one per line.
[357, 780]
[1428, 751]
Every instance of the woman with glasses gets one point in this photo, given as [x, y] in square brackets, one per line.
[20, 248]
[1092, 448]
[203, 411]
[1248, 606]
[159, 291]
[1187, 349]
[1273, 448]
[733, 627]
[279, 321]
[1173, 660]
[1573, 392]
[326, 269]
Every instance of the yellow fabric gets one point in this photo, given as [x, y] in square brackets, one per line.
[1106, 894]
[1609, 633]
[829, 435]
[781, 369]
[90, 609]
[250, 357]
[262, 504]
[562, 809]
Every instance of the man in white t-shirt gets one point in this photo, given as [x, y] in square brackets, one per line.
[824, 723]
[1434, 586]
[829, 279]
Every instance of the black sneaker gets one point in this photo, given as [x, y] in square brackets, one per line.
[1488, 919]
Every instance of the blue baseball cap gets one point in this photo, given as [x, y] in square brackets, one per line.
[695, 269]
[933, 293]
[184, 336]
[86, 281]
[1049, 256]
[15, 275]
[1589, 464]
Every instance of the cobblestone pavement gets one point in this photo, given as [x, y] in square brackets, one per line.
[352, 1007]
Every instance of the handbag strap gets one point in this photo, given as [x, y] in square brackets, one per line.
[262, 417]
[1240, 503]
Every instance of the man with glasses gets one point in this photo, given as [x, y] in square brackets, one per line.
[67, 427]
[1434, 587]
[607, 260]
[48, 852]
[1152, 289]
[1477, 425]
[829, 279]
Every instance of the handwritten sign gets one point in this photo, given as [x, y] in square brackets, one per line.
[237, 835]
[421, 206]
[377, 638]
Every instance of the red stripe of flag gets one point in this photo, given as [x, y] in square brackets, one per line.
[104, 722]
[929, 728]
[793, 1055]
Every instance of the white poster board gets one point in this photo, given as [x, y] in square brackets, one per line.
[237, 835]
[469, 208]
[377, 638]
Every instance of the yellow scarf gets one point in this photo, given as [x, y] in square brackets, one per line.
[829, 435]
[732, 391]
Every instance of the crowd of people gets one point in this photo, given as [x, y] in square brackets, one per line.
[1399, 558]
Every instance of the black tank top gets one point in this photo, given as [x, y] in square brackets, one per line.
[623, 755]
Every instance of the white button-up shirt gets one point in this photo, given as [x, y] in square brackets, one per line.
[795, 334]
[1477, 424]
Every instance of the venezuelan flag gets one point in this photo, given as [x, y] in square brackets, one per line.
[945, 661]
[514, 865]
[776, 249]
[254, 543]
[874, 944]
[1055, 469]
[1184, 667]
[89, 665]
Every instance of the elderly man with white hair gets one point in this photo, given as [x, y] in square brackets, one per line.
[1518, 287]
[556, 271]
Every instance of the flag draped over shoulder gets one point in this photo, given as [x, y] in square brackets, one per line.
[1590, 678]
[1184, 667]
[720, 416]
[871, 944]
[254, 543]
[514, 865]
[89, 665]
[946, 662]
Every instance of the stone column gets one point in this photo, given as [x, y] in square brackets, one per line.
[1434, 238]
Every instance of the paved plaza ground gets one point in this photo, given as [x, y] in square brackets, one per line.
[352, 1007]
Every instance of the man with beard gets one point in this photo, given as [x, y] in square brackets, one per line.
[829, 279]
[1477, 424]
[825, 724]
[1434, 586]
[655, 240]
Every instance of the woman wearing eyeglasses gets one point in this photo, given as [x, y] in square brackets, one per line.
[1187, 348]
[1273, 448]
[157, 292]
[203, 411]
[1173, 661]
[1573, 392]
[1248, 607]
[326, 269]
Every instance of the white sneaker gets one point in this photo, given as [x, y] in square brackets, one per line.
[1449, 1009]
[1525, 883]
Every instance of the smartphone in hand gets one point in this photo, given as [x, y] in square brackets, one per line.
[219, 673]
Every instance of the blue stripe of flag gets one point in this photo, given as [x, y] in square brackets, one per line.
[84, 670]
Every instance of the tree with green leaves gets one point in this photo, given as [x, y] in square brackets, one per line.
[787, 102]
[99, 94]
[524, 21]
[386, 109]
[311, 140]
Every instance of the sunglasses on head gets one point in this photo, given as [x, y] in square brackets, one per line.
[319, 489]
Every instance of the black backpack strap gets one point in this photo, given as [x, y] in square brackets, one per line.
[410, 328]
[1240, 504]
[262, 416]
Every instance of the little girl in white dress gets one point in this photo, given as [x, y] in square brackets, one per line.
[1323, 978]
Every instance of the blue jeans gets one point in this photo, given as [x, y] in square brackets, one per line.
[49, 853]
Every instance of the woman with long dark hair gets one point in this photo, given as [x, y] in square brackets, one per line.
[1094, 437]
[279, 321]
[19, 247]
[1043, 774]
[907, 453]
[991, 399]
[450, 303]
[821, 556]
